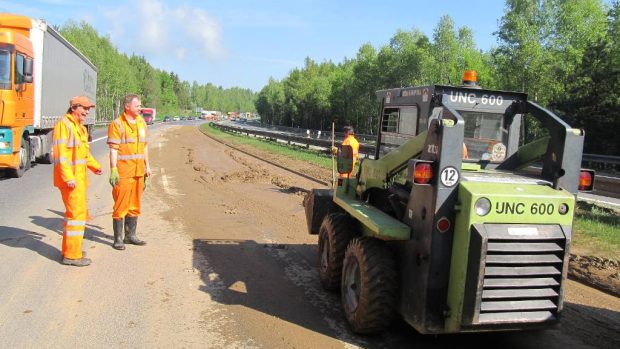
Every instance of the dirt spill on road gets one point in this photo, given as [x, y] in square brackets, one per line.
[256, 260]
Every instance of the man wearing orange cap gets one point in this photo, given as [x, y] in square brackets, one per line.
[129, 164]
[71, 155]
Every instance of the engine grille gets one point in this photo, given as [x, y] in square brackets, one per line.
[518, 273]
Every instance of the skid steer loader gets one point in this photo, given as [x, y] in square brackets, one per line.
[450, 226]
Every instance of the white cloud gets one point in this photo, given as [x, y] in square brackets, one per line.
[203, 31]
[159, 28]
[180, 53]
[150, 25]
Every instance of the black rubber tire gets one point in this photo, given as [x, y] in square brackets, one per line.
[337, 229]
[24, 163]
[46, 159]
[369, 290]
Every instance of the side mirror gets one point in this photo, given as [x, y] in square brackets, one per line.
[345, 159]
[28, 68]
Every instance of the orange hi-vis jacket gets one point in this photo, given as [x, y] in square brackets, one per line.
[71, 152]
[355, 145]
[130, 140]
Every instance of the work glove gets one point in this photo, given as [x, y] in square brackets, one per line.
[334, 150]
[114, 177]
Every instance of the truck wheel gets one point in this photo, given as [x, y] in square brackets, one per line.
[337, 229]
[369, 291]
[47, 159]
[24, 160]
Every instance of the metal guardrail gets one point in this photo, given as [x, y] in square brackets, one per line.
[606, 185]
[306, 141]
[606, 163]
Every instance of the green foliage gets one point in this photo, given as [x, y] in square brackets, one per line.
[119, 75]
[564, 54]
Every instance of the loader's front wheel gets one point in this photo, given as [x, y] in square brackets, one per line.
[337, 229]
[369, 290]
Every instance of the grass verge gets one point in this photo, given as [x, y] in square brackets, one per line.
[596, 231]
[312, 156]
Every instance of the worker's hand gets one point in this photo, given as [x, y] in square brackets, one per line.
[334, 150]
[146, 181]
[148, 171]
[71, 184]
[114, 177]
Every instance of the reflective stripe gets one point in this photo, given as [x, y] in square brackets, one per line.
[76, 162]
[73, 144]
[142, 140]
[59, 141]
[120, 126]
[74, 232]
[114, 141]
[131, 157]
[75, 223]
[129, 140]
[71, 141]
[58, 161]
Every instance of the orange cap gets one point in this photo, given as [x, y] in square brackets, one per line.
[470, 75]
[81, 100]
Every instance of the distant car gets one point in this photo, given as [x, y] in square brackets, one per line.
[176, 118]
[190, 118]
[167, 118]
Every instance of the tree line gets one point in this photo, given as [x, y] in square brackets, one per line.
[120, 74]
[565, 54]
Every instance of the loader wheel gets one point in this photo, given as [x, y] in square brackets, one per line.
[24, 159]
[369, 291]
[337, 229]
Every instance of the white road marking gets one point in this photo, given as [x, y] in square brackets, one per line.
[164, 181]
[98, 139]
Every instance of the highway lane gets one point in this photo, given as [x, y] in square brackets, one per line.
[140, 297]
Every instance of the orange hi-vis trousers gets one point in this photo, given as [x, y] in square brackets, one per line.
[127, 195]
[75, 220]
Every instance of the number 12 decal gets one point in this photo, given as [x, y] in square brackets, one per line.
[449, 176]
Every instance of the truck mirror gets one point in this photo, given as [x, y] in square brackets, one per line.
[28, 70]
[345, 159]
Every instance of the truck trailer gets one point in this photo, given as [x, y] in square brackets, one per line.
[39, 73]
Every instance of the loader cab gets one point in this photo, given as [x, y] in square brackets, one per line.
[491, 119]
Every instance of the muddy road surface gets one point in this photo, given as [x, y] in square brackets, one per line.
[252, 252]
[228, 264]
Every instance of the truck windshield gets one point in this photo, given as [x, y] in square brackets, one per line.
[485, 136]
[5, 69]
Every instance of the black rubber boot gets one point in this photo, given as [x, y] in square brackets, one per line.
[131, 224]
[117, 225]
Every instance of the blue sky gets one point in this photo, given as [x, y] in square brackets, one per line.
[243, 43]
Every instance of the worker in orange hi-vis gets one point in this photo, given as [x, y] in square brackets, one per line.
[71, 155]
[349, 139]
[129, 164]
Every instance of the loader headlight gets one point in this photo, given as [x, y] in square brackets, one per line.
[563, 209]
[482, 206]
